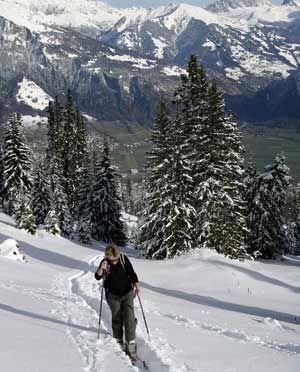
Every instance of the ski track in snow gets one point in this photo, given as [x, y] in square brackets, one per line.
[87, 290]
[94, 352]
[79, 309]
[233, 334]
[155, 353]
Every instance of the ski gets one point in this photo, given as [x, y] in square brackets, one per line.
[137, 362]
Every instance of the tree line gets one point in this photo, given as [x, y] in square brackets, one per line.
[69, 190]
[196, 192]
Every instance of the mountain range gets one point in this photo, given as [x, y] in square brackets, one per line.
[118, 62]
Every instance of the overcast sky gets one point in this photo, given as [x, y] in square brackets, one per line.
[153, 3]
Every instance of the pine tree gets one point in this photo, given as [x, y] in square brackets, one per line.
[292, 218]
[158, 162]
[178, 211]
[51, 134]
[270, 200]
[127, 196]
[85, 210]
[40, 194]
[81, 160]
[1, 174]
[222, 219]
[83, 186]
[23, 214]
[192, 99]
[251, 183]
[107, 224]
[69, 154]
[59, 200]
[52, 222]
[16, 163]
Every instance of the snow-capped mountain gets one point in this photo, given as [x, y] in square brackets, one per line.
[227, 5]
[88, 15]
[291, 3]
[176, 31]
[117, 60]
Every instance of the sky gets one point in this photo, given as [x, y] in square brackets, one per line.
[154, 3]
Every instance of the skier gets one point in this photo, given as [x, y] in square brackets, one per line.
[121, 284]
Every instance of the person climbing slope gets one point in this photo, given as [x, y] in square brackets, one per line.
[121, 284]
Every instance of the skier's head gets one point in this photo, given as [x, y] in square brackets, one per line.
[112, 253]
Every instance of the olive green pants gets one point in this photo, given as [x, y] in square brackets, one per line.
[122, 312]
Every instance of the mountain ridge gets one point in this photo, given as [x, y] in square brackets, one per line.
[120, 61]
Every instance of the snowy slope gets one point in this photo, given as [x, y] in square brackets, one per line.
[36, 15]
[267, 13]
[227, 5]
[32, 95]
[174, 17]
[205, 313]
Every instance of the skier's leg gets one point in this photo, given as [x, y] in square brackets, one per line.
[129, 320]
[114, 303]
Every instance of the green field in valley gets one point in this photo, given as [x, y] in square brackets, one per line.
[261, 143]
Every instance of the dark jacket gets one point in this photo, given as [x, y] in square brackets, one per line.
[120, 278]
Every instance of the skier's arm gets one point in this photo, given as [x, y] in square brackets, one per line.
[101, 268]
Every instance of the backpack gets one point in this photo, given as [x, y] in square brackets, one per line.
[122, 259]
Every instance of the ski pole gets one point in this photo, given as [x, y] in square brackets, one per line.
[101, 301]
[144, 317]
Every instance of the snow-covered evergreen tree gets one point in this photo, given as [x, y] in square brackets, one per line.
[52, 222]
[292, 218]
[251, 183]
[221, 218]
[40, 194]
[192, 99]
[1, 174]
[24, 215]
[51, 134]
[196, 119]
[151, 235]
[106, 221]
[81, 161]
[16, 163]
[85, 210]
[127, 196]
[70, 154]
[270, 201]
[59, 202]
[178, 213]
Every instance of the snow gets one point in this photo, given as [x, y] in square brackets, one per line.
[292, 259]
[32, 95]
[273, 323]
[287, 55]
[33, 121]
[173, 71]
[257, 64]
[263, 14]
[11, 249]
[37, 15]
[89, 117]
[179, 18]
[137, 62]
[234, 73]
[160, 45]
[205, 313]
[209, 44]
